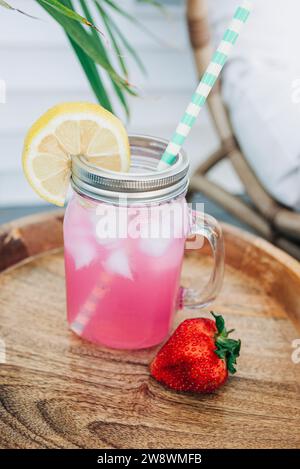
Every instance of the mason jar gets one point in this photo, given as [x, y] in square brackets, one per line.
[124, 238]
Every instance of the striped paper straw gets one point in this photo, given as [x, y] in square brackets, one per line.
[207, 82]
[89, 308]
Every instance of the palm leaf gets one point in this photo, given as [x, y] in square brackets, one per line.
[69, 12]
[92, 75]
[154, 3]
[90, 70]
[88, 46]
[9, 7]
[115, 44]
[57, 5]
[132, 19]
[86, 41]
[115, 85]
[112, 26]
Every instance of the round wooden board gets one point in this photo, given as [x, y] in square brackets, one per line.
[58, 391]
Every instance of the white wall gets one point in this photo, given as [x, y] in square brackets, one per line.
[39, 70]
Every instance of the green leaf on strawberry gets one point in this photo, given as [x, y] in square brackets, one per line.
[227, 349]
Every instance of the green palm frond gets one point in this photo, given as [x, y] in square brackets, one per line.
[154, 3]
[69, 12]
[90, 45]
[114, 30]
[93, 76]
[10, 7]
[118, 90]
[55, 4]
[119, 9]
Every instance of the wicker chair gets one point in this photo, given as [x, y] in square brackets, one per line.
[271, 220]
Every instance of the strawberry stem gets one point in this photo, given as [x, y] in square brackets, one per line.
[227, 349]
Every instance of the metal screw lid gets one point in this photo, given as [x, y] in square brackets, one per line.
[143, 182]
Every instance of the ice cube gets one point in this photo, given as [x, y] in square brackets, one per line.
[82, 253]
[154, 247]
[118, 263]
[107, 241]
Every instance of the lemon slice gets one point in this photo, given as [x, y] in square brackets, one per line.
[67, 130]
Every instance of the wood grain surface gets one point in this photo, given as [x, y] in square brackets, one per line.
[58, 391]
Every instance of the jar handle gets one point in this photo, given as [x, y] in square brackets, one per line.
[207, 227]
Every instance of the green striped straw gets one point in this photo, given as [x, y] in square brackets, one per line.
[207, 82]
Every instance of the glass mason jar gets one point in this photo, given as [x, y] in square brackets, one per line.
[124, 238]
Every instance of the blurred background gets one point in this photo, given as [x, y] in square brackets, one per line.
[40, 69]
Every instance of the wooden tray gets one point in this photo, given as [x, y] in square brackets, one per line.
[58, 391]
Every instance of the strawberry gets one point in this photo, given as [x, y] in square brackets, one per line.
[197, 357]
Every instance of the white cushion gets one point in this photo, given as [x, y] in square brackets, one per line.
[261, 87]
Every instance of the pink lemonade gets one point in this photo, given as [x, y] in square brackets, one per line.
[121, 292]
[124, 236]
